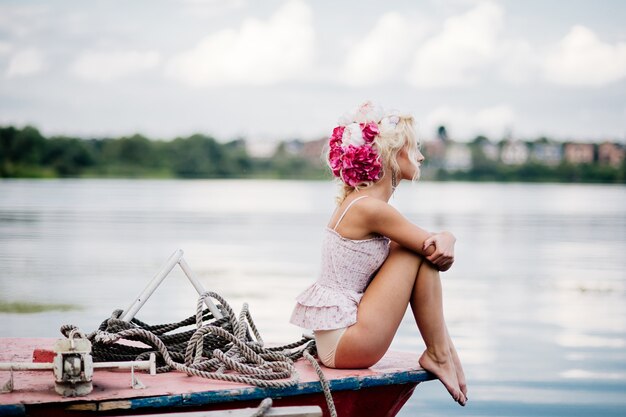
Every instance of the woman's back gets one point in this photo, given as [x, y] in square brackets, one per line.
[347, 267]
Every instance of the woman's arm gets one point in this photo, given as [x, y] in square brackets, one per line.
[438, 248]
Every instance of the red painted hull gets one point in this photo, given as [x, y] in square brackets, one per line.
[378, 391]
[371, 402]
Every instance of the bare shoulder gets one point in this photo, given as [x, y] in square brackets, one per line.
[373, 208]
[375, 216]
[375, 212]
[384, 219]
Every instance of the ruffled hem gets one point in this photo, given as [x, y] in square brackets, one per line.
[318, 295]
[323, 318]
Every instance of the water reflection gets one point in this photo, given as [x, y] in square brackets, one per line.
[536, 300]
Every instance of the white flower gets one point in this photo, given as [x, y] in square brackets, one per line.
[366, 112]
[389, 123]
[352, 135]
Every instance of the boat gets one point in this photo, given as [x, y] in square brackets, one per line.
[67, 383]
[377, 391]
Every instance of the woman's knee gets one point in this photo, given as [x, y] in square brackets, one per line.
[398, 251]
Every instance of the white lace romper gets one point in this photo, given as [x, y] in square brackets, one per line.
[348, 266]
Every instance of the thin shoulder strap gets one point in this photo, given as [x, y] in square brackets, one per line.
[346, 210]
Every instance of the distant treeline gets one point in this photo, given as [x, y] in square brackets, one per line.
[26, 153]
[533, 172]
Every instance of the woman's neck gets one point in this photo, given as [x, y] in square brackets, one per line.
[382, 190]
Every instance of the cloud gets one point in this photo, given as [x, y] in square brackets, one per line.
[465, 46]
[517, 61]
[5, 48]
[203, 9]
[23, 20]
[379, 55]
[581, 59]
[492, 122]
[111, 65]
[258, 53]
[25, 63]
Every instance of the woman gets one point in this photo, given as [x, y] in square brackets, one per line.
[374, 261]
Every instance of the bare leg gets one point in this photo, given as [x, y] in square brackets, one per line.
[380, 312]
[404, 277]
[427, 305]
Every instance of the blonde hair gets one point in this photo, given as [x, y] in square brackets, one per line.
[388, 144]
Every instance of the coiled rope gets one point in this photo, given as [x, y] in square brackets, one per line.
[228, 349]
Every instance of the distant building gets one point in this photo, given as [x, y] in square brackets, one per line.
[547, 153]
[490, 150]
[294, 146]
[611, 154]
[261, 148]
[514, 153]
[579, 153]
[458, 157]
[312, 150]
[434, 150]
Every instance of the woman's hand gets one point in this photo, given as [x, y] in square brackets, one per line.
[443, 256]
[379, 217]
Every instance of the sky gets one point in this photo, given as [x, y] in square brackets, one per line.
[285, 69]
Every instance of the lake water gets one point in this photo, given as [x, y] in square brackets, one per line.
[536, 301]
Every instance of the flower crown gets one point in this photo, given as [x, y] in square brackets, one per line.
[352, 155]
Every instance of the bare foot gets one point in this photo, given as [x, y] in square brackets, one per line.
[460, 375]
[444, 370]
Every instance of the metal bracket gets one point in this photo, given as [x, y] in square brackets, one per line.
[175, 259]
[73, 365]
[8, 386]
[73, 368]
[135, 383]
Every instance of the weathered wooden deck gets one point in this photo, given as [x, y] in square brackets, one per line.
[386, 386]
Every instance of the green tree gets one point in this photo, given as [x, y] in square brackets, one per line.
[68, 156]
[21, 151]
[198, 156]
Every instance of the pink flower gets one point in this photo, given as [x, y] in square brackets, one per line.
[351, 155]
[360, 164]
[335, 139]
[334, 158]
[370, 130]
